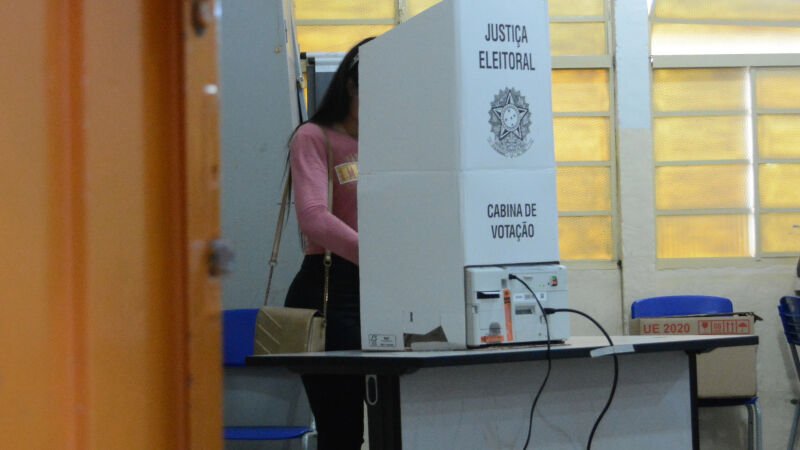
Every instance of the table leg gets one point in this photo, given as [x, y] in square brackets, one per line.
[383, 412]
[693, 392]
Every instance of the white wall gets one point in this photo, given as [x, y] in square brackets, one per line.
[752, 287]
[258, 113]
[599, 294]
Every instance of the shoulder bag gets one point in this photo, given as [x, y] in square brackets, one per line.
[293, 330]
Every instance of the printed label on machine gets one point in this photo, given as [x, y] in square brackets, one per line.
[382, 340]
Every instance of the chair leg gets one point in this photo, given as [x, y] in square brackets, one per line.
[306, 439]
[759, 434]
[750, 434]
[312, 432]
[793, 434]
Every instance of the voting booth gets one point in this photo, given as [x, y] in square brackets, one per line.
[457, 180]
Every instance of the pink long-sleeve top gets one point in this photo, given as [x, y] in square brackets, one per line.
[337, 232]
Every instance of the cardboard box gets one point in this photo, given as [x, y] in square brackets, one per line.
[456, 161]
[723, 372]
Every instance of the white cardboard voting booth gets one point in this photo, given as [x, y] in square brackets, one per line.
[456, 162]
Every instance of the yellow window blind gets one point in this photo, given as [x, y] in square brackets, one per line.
[703, 236]
[700, 117]
[335, 38]
[344, 9]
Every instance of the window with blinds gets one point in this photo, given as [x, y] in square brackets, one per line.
[582, 102]
[583, 125]
[777, 137]
[337, 25]
[726, 128]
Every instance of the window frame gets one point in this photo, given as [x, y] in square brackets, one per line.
[589, 62]
[751, 63]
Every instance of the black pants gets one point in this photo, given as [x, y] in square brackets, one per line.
[336, 400]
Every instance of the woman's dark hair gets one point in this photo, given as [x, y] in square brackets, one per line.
[335, 104]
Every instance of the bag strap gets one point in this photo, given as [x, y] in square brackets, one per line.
[327, 261]
[283, 217]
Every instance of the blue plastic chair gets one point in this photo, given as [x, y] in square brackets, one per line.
[789, 310]
[687, 305]
[680, 305]
[238, 331]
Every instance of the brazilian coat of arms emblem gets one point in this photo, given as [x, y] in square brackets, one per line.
[510, 119]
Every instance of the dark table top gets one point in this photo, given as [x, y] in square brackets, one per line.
[360, 362]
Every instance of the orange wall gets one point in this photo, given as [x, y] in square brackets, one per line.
[95, 309]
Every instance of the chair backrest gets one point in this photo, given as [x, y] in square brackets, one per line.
[238, 334]
[789, 310]
[680, 305]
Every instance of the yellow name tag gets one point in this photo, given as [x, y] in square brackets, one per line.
[347, 172]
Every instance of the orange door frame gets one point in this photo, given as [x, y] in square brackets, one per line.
[109, 188]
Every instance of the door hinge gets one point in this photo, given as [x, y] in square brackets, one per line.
[221, 258]
[202, 15]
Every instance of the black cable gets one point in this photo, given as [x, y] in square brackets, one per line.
[511, 276]
[548, 311]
